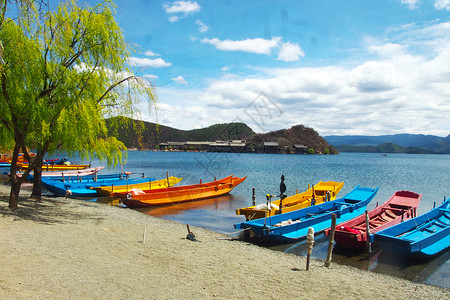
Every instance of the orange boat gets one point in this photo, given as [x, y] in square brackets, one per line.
[139, 198]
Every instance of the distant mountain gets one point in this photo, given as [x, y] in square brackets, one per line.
[152, 134]
[408, 143]
[383, 148]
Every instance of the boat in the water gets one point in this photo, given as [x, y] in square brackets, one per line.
[421, 237]
[66, 174]
[400, 207]
[55, 167]
[293, 226]
[84, 188]
[110, 190]
[144, 198]
[319, 193]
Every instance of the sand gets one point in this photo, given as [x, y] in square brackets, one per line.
[71, 249]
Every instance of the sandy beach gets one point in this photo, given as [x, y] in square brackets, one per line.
[71, 249]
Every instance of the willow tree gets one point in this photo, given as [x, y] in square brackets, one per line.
[63, 72]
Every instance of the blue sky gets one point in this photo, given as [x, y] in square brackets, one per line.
[340, 67]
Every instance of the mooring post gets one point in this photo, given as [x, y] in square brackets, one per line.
[331, 241]
[309, 245]
[253, 197]
[368, 244]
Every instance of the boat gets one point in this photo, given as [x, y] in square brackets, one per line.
[424, 236]
[55, 167]
[293, 226]
[139, 198]
[83, 189]
[73, 176]
[401, 206]
[319, 193]
[66, 174]
[110, 190]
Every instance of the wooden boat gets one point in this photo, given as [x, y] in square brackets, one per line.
[293, 226]
[73, 177]
[321, 192]
[54, 167]
[420, 237]
[67, 174]
[400, 207]
[179, 194]
[151, 185]
[83, 189]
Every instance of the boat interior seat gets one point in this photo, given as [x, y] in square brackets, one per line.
[390, 214]
[351, 201]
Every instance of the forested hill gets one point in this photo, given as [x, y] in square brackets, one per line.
[153, 134]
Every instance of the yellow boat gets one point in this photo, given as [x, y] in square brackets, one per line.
[55, 167]
[314, 195]
[150, 185]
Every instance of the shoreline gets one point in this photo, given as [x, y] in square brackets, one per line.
[71, 249]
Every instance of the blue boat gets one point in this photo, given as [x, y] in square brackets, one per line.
[421, 237]
[293, 226]
[83, 189]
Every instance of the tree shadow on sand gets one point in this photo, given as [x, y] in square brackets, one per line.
[48, 211]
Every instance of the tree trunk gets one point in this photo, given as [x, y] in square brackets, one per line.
[37, 186]
[15, 183]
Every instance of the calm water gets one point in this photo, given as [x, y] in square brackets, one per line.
[426, 174]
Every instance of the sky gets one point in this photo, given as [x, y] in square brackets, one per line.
[341, 67]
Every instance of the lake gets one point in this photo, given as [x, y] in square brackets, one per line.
[420, 173]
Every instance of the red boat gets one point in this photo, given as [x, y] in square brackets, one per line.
[353, 234]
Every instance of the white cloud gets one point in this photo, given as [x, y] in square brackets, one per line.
[201, 26]
[181, 9]
[290, 52]
[151, 53]
[258, 45]
[287, 51]
[397, 90]
[179, 80]
[442, 4]
[147, 62]
[412, 4]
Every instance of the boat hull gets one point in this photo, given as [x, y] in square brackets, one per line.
[151, 185]
[181, 193]
[293, 226]
[312, 196]
[400, 207]
[82, 189]
[421, 237]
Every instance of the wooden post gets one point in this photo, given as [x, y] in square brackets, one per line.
[368, 245]
[253, 197]
[167, 175]
[309, 245]
[331, 241]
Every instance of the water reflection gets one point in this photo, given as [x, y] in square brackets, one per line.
[216, 203]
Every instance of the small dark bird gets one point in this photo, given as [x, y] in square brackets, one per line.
[282, 186]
